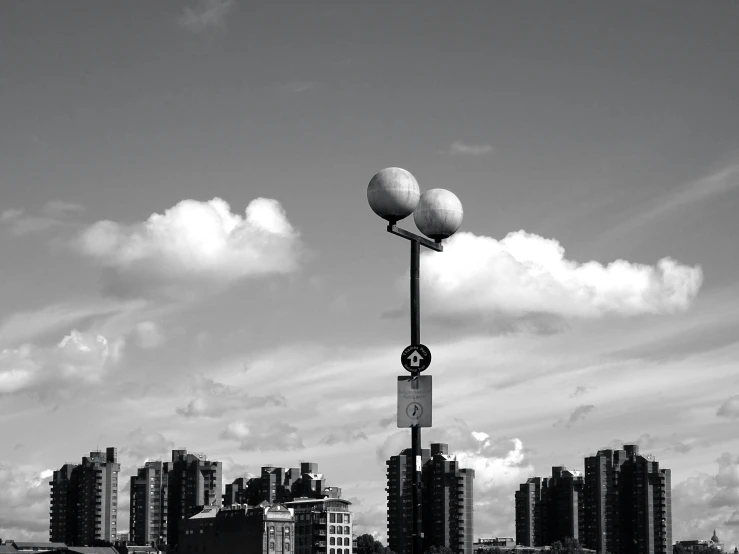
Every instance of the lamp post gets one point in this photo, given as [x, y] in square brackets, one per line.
[394, 194]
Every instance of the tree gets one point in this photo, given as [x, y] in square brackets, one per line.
[439, 550]
[568, 546]
[366, 544]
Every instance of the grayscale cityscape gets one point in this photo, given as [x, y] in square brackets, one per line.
[343, 277]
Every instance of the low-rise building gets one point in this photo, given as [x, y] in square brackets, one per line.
[323, 526]
[263, 529]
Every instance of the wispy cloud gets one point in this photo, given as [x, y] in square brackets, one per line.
[578, 414]
[52, 214]
[713, 184]
[205, 14]
[730, 408]
[297, 87]
[458, 147]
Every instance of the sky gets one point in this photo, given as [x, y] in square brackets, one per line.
[188, 259]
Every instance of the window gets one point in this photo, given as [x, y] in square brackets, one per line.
[271, 546]
[346, 541]
[332, 529]
[338, 529]
[346, 530]
[346, 518]
[287, 546]
[332, 541]
[332, 551]
[332, 518]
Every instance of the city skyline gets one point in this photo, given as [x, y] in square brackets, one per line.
[189, 259]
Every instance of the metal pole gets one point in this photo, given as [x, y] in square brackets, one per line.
[417, 547]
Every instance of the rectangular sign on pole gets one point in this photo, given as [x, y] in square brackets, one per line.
[414, 401]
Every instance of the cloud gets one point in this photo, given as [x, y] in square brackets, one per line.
[213, 399]
[470, 149]
[78, 359]
[705, 502]
[297, 87]
[579, 391]
[148, 335]
[343, 435]
[500, 466]
[525, 274]
[194, 243]
[60, 208]
[578, 414]
[205, 15]
[22, 326]
[263, 436]
[52, 214]
[730, 408]
[142, 446]
[24, 511]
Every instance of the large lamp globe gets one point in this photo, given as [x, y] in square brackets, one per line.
[438, 214]
[393, 194]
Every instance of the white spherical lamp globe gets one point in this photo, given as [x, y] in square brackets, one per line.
[438, 214]
[393, 194]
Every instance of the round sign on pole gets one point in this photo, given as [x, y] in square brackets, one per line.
[415, 358]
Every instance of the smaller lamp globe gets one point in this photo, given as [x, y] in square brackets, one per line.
[438, 214]
[393, 194]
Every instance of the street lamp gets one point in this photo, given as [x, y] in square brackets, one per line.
[393, 194]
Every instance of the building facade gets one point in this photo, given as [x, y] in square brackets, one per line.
[628, 503]
[277, 484]
[323, 526]
[193, 482]
[528, 512]
[447, 501]
[84, 500]
[550, 509]
[148, 505]
[263, 529]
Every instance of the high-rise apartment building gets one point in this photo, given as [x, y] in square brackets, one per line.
[148, 506]
[447, 501]
[628, 503]
[277, 484]
[84, 500]
[399, 498]
[550, 509]
[193, 482]
[528, 512]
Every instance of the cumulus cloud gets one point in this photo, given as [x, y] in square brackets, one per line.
[213, 399]
[730, 408]
[79, 359]
[500, 465]
[263, 437]
[525, 274]
[142, 446]
[704, 502]
[194, 242]
[470, 149]
[206, 14]
[24, 511]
